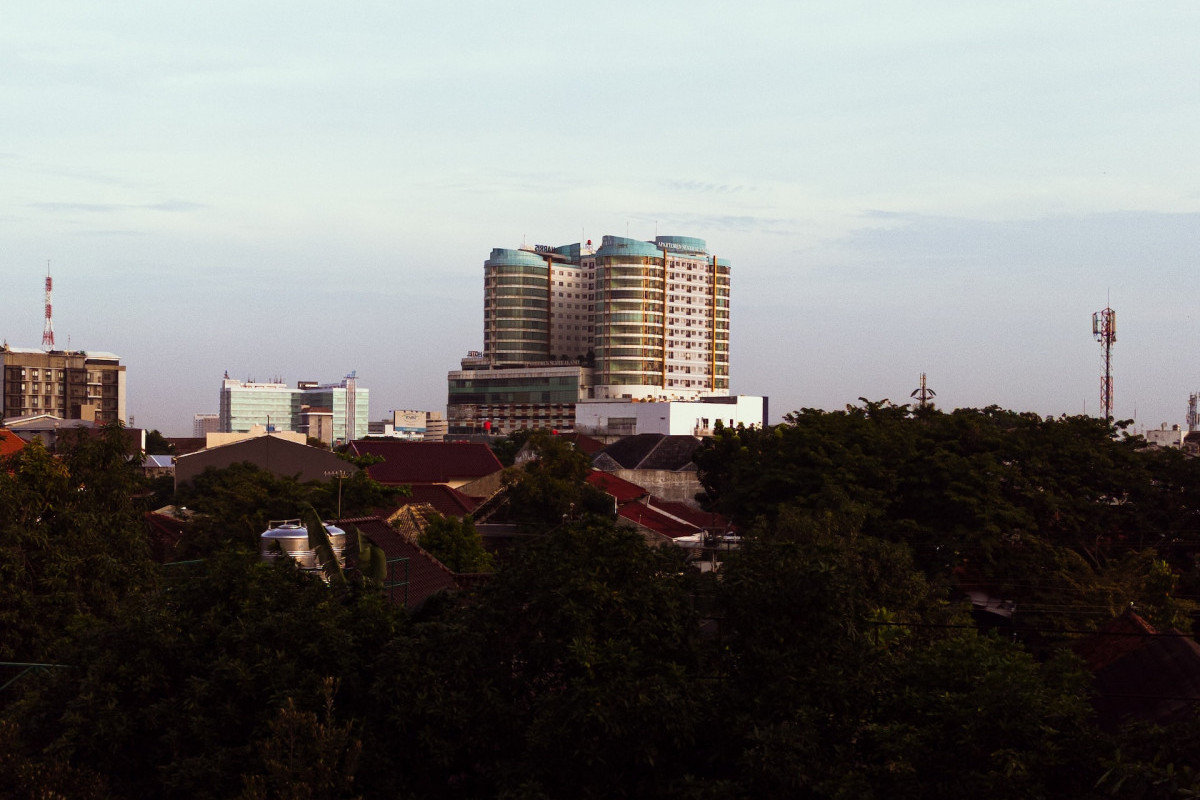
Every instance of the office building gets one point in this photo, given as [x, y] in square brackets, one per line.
[335, 412]
[631, 320]
[71, 384]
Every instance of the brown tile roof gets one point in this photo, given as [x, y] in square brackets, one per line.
[424, 575]
[427, 462]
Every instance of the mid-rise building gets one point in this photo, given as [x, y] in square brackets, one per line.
[71, 384]
[204, 424]
[335, 412]
[628, 320]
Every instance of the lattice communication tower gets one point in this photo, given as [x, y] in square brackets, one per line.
[48, 327]
[1104, 329]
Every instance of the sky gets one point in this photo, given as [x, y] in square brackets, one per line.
[297, 190]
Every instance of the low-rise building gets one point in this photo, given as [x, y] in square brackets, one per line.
[510, 397]
[629, 417]
[418, 426]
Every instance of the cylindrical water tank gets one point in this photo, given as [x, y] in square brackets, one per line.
[292, 538]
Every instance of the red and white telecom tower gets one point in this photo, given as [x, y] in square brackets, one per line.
[1104, 329]
[48, 327]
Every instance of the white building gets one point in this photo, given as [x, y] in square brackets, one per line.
[1165, 437]
[417, 426]
[333, 412]
[670, 418]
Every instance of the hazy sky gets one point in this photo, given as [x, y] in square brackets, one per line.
[302, 189]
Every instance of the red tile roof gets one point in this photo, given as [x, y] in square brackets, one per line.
[657, 521]
[446, 501]
[701, 519]
[10, 443]
[427, 462]
[624, 491]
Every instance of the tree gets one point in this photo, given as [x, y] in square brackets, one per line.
[572, 672]
[456, 543]
[72, 544]
[552, 487]
[157, 444]
[175, 697]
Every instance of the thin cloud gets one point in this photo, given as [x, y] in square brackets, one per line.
[170, 206]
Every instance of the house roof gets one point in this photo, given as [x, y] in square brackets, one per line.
[165, 532]
[650, 451]
[424, 574]
[624, 491]
[1113, 641]
[583, 443]
[656, 520]
[158, 462]
[426, 462]
[446, 501]
[275, 454]
[1142, 673]
[10, 443]
[701, 519]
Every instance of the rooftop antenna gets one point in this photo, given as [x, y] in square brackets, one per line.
[1104, 330]
[924, 394]
[48, 327]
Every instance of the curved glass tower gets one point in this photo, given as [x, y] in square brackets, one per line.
[516, 307]
[630, 324]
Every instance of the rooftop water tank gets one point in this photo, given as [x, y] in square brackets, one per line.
[292, 538]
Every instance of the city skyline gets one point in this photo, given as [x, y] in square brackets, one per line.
[303, 192]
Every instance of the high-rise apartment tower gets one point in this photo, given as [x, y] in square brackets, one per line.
[630, 319]
[651, 317]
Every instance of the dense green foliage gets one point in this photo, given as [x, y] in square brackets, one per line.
[1057, 513]
[826, 659]
[456, 543]
[236, 504]
[549, 489]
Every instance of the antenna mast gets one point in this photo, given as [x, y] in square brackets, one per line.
[924, 394]
[48, 327]
[1104, 329]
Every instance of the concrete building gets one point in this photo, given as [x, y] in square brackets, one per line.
[515, 396]
[1166, 437]
[272, 453]
[629, 320]
[418, 426]
[669, 418]
[71, 384]
[204, 424]
[334, 412]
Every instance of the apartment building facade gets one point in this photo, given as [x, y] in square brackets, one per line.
[72, 384]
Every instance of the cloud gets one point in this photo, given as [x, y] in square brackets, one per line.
[703, 187]
[743, 223]
[169, 206]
